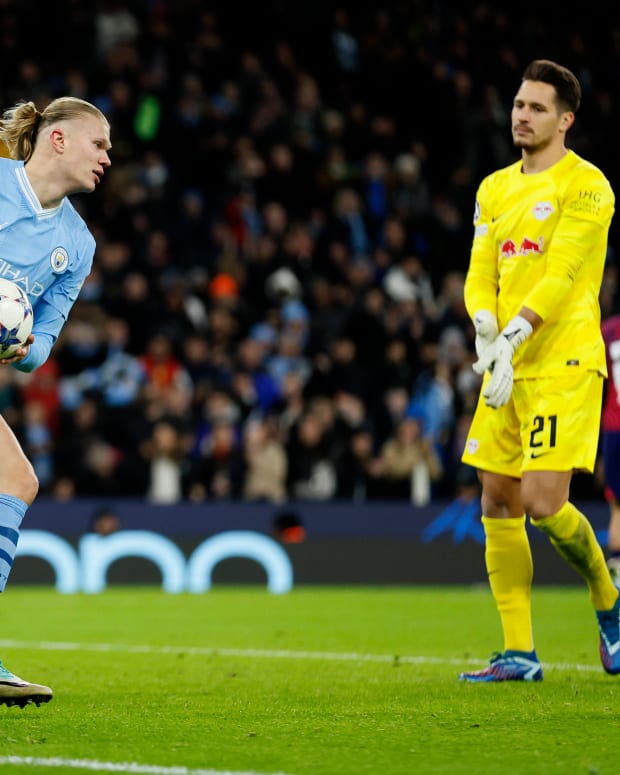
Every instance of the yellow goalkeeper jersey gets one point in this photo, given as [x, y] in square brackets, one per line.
[540, 241]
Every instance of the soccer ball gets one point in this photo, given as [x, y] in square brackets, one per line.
[16, 317]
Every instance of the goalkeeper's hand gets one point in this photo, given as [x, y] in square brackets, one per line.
[498, 360]
[499, 387]
[485, 325]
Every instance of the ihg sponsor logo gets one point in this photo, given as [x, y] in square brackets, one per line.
[85, 569]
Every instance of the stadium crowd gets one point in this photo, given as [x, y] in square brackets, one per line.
[276, 306]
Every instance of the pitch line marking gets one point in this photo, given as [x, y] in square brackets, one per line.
[131, 767]
[329, 656]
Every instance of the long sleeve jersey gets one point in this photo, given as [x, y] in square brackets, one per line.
[48, 252]
[540, 241]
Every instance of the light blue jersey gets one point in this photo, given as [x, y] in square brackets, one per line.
[49, 253]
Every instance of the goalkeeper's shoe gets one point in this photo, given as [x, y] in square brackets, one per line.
[16, 691]
[609, 643]
[509, 666]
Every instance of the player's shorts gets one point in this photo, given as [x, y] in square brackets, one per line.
[610, 446]
[549, 424]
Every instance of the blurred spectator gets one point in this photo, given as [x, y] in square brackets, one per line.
[38, 443]
[347, 226]
[89, 463]
[190, 231]
[137, 305]
[266, 462]
[432, 403]
[120, 376]
[218, 472]
[409, 463]
[288, 358]
[41, 387]
[166, 454]
[411, 194]
[359, 469]
[252, 384]
[340, 370]
[162, 368]
[115, 25]
[311, 473]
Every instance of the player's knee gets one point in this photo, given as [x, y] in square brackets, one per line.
[24, 485]
[541, 505]
[496, 505]
[500, 497]
[31, 489]
[545, 492]
[500, 502]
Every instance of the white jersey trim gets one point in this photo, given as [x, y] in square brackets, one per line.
[30, 195]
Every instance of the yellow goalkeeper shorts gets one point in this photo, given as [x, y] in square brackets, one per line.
[549, 424]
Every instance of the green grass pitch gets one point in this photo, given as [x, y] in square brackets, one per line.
[322, 681]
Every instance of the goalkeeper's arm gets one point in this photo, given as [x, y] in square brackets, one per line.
[489, 343]
[497, 358]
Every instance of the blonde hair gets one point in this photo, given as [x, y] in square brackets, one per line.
[20, 124]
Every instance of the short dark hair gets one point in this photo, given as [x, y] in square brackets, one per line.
[564, 82]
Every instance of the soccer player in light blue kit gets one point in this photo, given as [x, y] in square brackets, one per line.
[47, 249]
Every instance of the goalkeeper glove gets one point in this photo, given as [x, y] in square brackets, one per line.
[498, 360]
[485, 325]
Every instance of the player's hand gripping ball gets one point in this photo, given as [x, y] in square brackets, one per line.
[16, 318]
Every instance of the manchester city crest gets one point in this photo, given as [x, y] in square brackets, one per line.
[59, 260]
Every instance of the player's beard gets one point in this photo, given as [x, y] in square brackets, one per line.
[531, 144]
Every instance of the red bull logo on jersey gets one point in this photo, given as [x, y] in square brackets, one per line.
[508, 248]
[531, 246]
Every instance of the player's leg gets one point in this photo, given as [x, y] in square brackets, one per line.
[508, 558]
[570, 532]
[572, 535]
[494, 442]
[18, 489]
[560, 436]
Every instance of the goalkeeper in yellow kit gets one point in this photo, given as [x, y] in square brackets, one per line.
[540, 239]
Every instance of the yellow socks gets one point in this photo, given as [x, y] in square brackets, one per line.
[510, 570]
[509, 567]
[572, 535]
